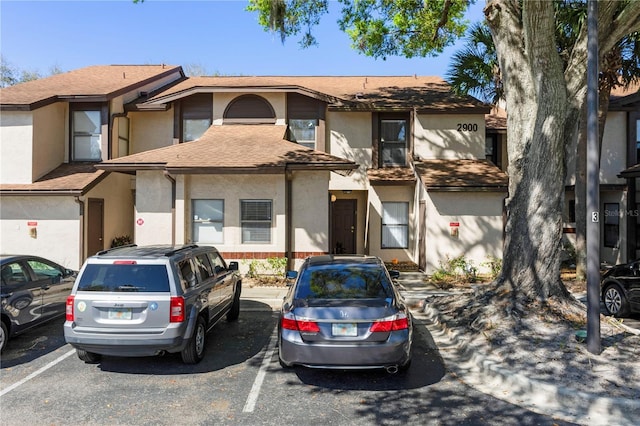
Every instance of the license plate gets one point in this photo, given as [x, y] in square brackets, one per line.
[120, 314]
[344, 329]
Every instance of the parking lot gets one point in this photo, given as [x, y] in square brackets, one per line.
[238, 382]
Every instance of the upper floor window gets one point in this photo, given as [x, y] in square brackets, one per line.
[255, 218]
[197, 111]
[393, 142]
[86, 134]
[303, 132]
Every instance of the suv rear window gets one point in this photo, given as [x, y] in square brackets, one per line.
[124, 278]
[343, 282]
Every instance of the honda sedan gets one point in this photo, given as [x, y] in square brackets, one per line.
[344, 312]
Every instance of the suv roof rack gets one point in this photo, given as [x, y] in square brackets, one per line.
[179, 249]
[115, 248]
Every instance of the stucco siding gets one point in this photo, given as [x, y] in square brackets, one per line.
[153, 209]
[479, 238]
[449, 136]
[43, 226]
[382, 194]
[614, 148]
[49, 138]
[16, 147]
[350, 138]
[310, 211]
[116, 192]
[150, 130]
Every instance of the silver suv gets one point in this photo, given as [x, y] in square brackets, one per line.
[143, 301]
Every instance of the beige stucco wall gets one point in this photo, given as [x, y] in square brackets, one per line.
[349, 136]
[378, 195]
[116, 192]
[437, 136]
[479, 215]
[277, 101]
[56, 223]
[614, 148]
[49, 138]
[16, 136]
[150, 130]
[153, 219]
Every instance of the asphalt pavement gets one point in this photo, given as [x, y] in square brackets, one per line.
[485, 375]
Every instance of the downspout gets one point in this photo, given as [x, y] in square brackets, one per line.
[81, 217]
[173, 206]
[288, 232]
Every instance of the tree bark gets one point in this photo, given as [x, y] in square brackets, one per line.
[535, 93]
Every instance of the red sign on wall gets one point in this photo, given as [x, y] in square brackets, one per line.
[32, 223]
[140, 221]
[454, 223]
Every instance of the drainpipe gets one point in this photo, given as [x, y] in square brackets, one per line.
[173, 206]
[288, 232]
[81, 219]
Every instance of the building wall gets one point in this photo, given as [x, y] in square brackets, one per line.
[150, 130]
[615, 142]
[46, 226]
[449, 136]
[116, 192]
[16, 147]
[349, 135]
[378, 195]
[49, 138]
[153, 215]
[479, 215]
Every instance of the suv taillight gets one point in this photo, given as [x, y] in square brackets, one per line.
[69, 309]
[177, 309]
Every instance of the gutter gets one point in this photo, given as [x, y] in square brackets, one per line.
[173, 206]
[288, 207]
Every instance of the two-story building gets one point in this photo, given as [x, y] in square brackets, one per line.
[260, 167]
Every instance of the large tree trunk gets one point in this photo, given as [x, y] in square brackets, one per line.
[536, 97]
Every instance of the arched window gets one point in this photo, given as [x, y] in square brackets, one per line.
[249, 109]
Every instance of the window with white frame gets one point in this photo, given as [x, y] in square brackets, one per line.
[255, 218]
[208, 221]
[393, 142]
[303, 131]
[395, 225]
[197, 111]
[86, 143]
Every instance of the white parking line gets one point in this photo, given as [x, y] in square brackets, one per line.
[257, 384]
[38, 372]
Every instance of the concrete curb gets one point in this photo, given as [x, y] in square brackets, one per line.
[488, 376]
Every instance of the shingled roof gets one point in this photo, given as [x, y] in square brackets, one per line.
[95, 83]
[66, 179]
[232, 148]
[461, 175]
[340, 92]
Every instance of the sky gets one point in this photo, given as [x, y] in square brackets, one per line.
[218, 36]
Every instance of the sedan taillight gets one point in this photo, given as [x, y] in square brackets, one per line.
[177, 309]
[401, 322]
[69, 316]
[304, 326]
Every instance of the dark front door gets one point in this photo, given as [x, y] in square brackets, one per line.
[343, 227]
[95, 228]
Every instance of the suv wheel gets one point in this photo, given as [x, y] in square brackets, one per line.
[88, 357]
[615, 301]
[194, 352]
[234, 312]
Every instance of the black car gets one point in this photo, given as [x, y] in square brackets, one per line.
[34, 290]
[621, 289]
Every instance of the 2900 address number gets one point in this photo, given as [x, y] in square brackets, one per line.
[467, 127]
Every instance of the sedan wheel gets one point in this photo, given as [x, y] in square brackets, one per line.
[615, 301]
[4, 336]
